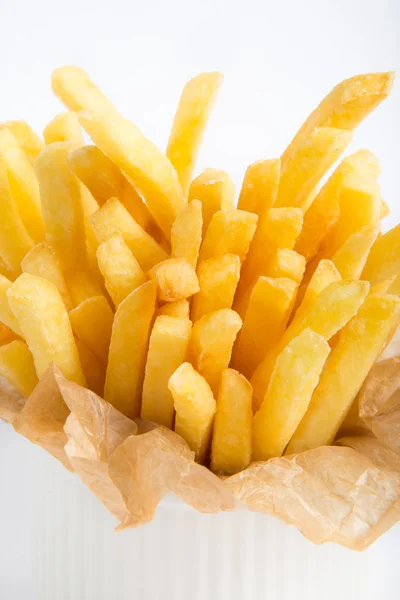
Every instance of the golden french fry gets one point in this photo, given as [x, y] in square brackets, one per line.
[286, 263]
[128, 349]
[215, 190]
[218, 278]
[267, 314]
[211, 342]
[7, 335]
[6, 315]
[332, 309]
[325, 274]
[190, 121]
[43, 262]
[304, 169]
[394, 287]
[176, 279]
[260, 186]
[352, 255]
[167, 350]
[186, 233]
[231, 440]
[148, 170]
[92, 322]
[64, 128]
[229, 232]
[384, 258]
[344, 107]
[120, 269]
[16, 365]
[113, 219]
[43, 319]
[77, 91]
[22, 183]
[294, 378]
[27, 139]
[386, 286]
[358, 346]
[179, 309]
[195, 408]
[93, 368]
[6, 270]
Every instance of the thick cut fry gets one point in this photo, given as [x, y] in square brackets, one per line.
[27, 139]
[231, 442]
[352, 255]
[176, 279]
[179, 309]
[92, 322]
[332, 309]
[302, 172]
[43, 319]
[394, 287]
[186, 233]
[267, 314]
[386, 286]
[128, 349]
[6, 315]
[344, 107]
[77, 91]
[215, 190]
[294, 378]
[318, 221]
[120, 269]
[43, 262]
[384, 259]
[167, 350]
[211, 342]
[195, 408]
[190, 121]
[23, 184]
[218, 279]
[325, 274]
[105, 180]
[16, 365]
[286, 263]
[93, 368]
[7, 335]
[148, 170]
[260, 186]
[358, 347]
[113, 219]
[229, 232]
[64, 128]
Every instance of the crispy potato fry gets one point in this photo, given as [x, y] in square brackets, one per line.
[77, 91]
[43, 262]
[113, 219]
[231, 441]
[302, 172]
[384, 258]
[120, 269]
[386, 286]
[294, 378]
[229, 232]
[105, 180]
[267, 314]
[167, 350]
[23, 184]
[93, 368]
[27, 139]
[176, 279]
[128, 349]
[325, 274]
[190, 121]
[43, 319]
[352, 255]
[148, 170]
[260, 186]
[64, 128]
[344, 107]
[394, 287]
[6, 270]
[6, 315]
[7, 335]
[332, 309]
[92, 322]
[195, 408]
[215, 190]
[211, 342]
[218, 278]
[179, 309]
[286, 263]
[186, 233]
[359, 345]
[16, 365]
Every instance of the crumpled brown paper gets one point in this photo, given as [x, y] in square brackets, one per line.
[348, 493]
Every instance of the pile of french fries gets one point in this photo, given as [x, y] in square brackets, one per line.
[248, 330]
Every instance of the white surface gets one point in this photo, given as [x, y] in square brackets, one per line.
[279, 58]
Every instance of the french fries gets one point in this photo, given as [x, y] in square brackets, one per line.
[216, 192]
[176, 280]
[325, 273]
[27, 139]
[179, 308]
[353, 254]
[91, 322]
[384, 259]
[64, 128]
[16, 365]
[186, 233]
[229, 232]
[260, 186]
[77, 91]
[6, 315]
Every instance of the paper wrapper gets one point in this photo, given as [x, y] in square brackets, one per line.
[348, 493]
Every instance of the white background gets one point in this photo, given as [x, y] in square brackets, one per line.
[279, 59]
